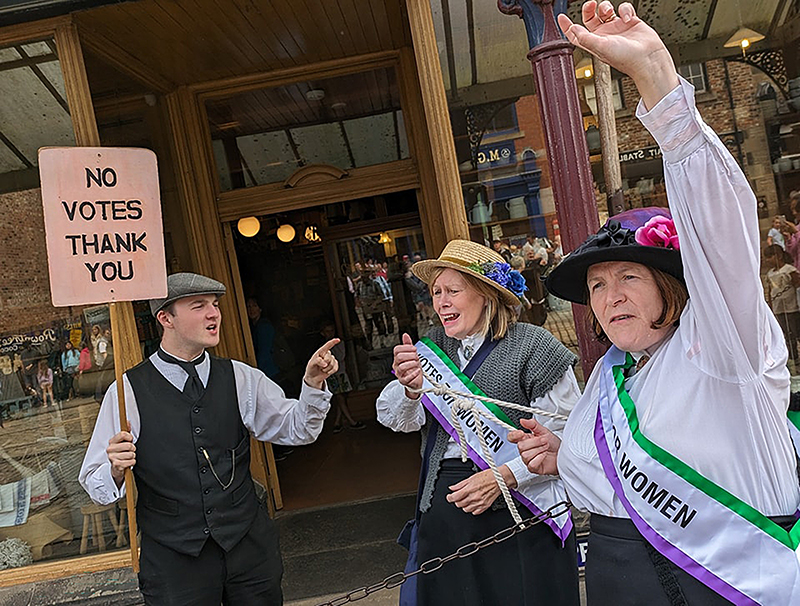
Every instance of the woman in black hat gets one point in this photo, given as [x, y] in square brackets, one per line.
[679, 446]
[480, 345]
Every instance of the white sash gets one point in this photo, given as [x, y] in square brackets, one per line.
[793, 418]
[537, 498]
[720, 540]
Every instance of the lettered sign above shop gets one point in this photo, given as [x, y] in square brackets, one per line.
[640, 155]
[102, 218]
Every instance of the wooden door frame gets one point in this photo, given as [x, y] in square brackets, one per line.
[432, 171]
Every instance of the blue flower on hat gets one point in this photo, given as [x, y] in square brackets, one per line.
[497, 272]
[516, 283]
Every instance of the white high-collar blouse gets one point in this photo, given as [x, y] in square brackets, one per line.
[715, 394]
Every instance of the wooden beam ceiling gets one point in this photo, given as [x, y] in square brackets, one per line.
[170, 43]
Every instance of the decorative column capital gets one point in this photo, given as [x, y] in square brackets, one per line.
[539, 17]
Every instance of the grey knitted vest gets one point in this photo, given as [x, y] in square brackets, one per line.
[523, 366]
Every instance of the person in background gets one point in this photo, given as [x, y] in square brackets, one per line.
[534, 252]
[555, 252]
[70, 359]
[110, 346]
[29, 365]
[370, 297]
[85, 358]
[45, 378]
[502, 249]
[775, 233]
[421, 297]
[263, 334]
[783, 280]
[532, 310]
[99, 347]
[339, 383]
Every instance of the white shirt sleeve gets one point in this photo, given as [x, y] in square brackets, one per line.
[271, 416]
[95, 473]
[560, 399]
[715, 215]
[397, 412]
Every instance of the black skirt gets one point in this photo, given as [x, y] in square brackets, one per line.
[623, 569]
[530, 569]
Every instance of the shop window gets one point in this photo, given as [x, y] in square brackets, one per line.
[590, 94]
[695, 74]
[350, 121]
[504, 122]
[30, 75]
[55, 362]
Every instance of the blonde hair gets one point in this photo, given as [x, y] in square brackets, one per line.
[497, 316]
[673, 295]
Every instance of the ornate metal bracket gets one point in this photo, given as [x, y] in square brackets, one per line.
[771, 63]
[533, 13]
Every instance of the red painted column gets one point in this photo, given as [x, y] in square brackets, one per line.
[567, 153]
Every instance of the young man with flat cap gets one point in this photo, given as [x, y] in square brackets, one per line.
[205, 538]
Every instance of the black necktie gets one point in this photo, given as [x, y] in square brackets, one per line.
[194, 386]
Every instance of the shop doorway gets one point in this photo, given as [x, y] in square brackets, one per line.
[338, 269]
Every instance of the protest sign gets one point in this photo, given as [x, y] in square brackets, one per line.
[102, 218]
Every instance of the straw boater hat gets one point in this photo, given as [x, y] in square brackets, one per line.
[185, 285]
[640, 235]
[478, 261]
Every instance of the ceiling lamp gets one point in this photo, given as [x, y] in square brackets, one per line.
[743, 38]
[384, 238]
[315, 94]
[285, 233]
[584, 69]
[248, 226]
[311, 234]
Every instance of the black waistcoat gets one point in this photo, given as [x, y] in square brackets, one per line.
[181, 503]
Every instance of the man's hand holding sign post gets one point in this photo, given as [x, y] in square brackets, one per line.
[105, 244]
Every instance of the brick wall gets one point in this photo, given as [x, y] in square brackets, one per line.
[530, 122]
[715, 107]
[25, 286]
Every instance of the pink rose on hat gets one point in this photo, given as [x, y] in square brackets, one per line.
[659, 231]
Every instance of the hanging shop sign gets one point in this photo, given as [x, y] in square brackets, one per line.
[499, 154]
[102, 217]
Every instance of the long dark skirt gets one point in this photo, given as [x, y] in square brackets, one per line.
[623, 569]
[530, 569]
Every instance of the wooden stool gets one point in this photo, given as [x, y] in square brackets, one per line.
[95, 513]
[122, 529]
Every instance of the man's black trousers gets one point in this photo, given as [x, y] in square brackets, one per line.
[250, 573]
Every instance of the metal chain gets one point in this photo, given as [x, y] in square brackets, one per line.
[464, 551]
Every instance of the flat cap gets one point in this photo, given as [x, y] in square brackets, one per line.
[185, 285]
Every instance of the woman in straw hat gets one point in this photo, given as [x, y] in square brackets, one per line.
[680, 446]
[481, 348]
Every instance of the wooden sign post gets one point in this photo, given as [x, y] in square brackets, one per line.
[105, 243]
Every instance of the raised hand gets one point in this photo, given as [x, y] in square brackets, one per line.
[321, 365]
[538, 449]
[626, 43]
[406, 366]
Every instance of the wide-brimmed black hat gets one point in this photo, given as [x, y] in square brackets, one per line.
[186, 284]
[640, 235]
